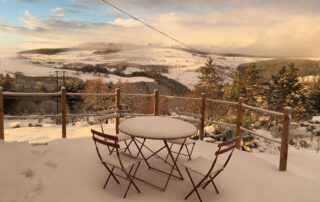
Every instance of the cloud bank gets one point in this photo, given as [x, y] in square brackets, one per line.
[276, 28]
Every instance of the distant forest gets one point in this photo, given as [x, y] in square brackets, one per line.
[272, 67]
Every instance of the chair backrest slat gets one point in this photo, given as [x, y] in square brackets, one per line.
[108, 111]
[105, 115]
[196, 116]
[191, 120]
[224, 150]
[111, 116]
[109, 141]
[229, 142]
[106, 136]
[110, 144]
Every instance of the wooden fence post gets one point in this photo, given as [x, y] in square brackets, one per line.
[1, 115]
[239, 122]
[284, 139]
[156, 103]
[202, 111]
[64, 112]
[117, 105]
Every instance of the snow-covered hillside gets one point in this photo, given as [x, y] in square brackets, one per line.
[11, 66]
[182, 65]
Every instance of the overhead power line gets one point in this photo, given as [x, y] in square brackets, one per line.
[152, 27]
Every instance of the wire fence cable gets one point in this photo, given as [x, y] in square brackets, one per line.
[151, 27]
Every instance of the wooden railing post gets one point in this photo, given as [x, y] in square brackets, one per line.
[64, 112]
[284, 139]
[1, 115]
[117, 105]
[239, 122]
[202, 111]
[156, 103]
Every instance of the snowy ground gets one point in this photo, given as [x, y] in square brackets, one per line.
[69, 170]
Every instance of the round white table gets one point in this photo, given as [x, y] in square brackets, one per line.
[158, 128]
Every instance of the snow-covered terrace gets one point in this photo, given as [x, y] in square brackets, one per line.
[68, 170]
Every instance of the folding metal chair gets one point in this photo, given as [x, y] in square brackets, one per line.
[104, 117]
[117, 160]
[209, 169]
[193, 119]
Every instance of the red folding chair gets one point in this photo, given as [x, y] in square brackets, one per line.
[209, 169]
[189, 143]
[104, 117]
[117, 160]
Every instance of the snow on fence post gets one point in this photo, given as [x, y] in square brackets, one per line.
[284, 139]
[1, 115]
[117, 106]
[202, 111]
[64, 112]
[239, 122]
[156, 103]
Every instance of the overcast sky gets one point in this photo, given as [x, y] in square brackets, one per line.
[260, 27]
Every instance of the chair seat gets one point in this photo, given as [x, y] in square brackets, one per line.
[201, 165]
[181, 140]
[126, 160]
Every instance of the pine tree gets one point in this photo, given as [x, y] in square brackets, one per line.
[315, 97]
[287, 91]
[237, 88]
[210, 82]
[7, 82]
[250, 86]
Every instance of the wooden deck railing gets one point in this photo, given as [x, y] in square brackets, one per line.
[202, 108]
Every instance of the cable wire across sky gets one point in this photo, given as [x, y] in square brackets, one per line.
[152, 27]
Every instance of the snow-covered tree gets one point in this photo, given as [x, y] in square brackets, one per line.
[210, 82]
[287, 91]
[250, 86]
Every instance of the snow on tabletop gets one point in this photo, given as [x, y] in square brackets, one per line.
[69, 170]
[157, 127]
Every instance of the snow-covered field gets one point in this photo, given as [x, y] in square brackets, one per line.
[68, 170]
[11, 66]
[182, 65]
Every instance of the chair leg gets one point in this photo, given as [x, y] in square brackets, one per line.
[144, 158]
[111, 151]
[108, 178]
[110, 174]
[211, 180]
[168, 152]
[192, 150]
[195, 188]
[142, 144]
[215, 187]
[127, 147]
[131, 179]
[156, 155]
[188, 153]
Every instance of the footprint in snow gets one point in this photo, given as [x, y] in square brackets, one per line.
[28, 173]
[51, 164]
